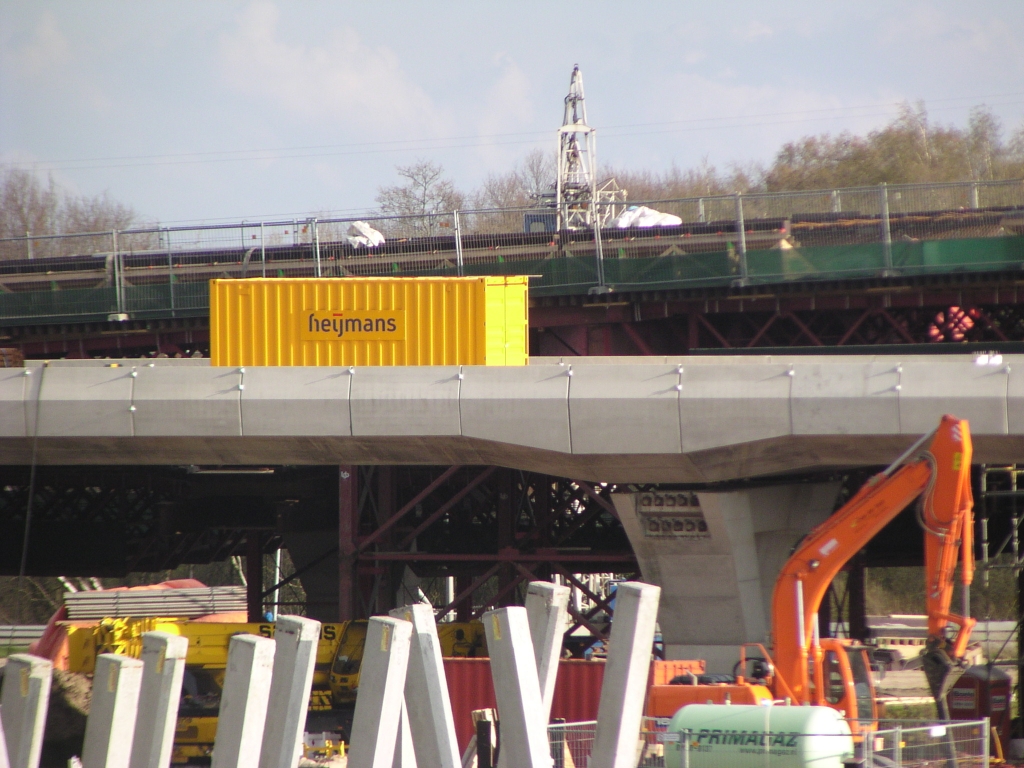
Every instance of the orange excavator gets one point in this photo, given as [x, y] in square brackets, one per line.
[806, 668]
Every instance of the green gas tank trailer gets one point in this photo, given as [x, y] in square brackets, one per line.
[748, 736]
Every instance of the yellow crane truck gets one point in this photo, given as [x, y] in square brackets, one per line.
[335, 679]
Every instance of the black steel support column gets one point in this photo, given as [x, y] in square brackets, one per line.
[464, 610]
[389, 574]
[254, 576]
[506, 531]
[348, 526]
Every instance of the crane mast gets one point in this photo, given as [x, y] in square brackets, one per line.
[576, 185]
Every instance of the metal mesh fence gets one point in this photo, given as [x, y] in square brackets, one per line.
[52, 277]
[958, 744]
[693, 242]
[571, 743]
[954, 744]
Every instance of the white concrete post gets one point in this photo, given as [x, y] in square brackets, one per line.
[243, 702]
[547, 610]
[4, 762]
[625, 675]
[405, 751]
[296, 639]
[427, 703]
[23, 704]
[375, 723]
[163, 659]
[110, 728]
[522, 733]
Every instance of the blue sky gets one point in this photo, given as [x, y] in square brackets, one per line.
[194, 111]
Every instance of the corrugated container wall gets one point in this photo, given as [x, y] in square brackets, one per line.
[369, 321]
[470, 686]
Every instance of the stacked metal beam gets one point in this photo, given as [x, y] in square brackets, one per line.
[187, 603]
[20, 634]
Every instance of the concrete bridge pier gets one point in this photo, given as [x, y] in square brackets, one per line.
[716, 557]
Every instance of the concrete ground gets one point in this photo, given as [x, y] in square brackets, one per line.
[910, 684]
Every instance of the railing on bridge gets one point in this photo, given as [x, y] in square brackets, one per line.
[722, 240]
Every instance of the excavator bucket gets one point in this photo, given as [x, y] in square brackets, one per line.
[938, 668]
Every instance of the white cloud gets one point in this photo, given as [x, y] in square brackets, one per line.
[344, 80]
[47, 49]
[964, 36]
[731, 121]
[507, 107]
[47, 62]
[754, 30]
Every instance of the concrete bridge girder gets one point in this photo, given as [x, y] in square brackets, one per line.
[686, 419]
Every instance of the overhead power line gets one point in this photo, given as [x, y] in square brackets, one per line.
[506, 139]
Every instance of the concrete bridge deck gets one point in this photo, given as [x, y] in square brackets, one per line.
[649, 419]
[716, 552]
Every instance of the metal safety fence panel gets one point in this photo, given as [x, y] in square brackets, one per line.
[170, 275]
[652, 742]
[571, 743]
[527, 241]
[396, 246]
[49, 278]
[757, 238]
[963, 744]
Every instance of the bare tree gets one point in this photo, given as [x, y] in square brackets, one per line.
[31, 206]
[426, 195]
[26, 204]
[520, 187]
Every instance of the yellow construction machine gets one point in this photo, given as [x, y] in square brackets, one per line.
[335, 679]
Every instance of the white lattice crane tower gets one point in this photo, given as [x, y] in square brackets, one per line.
[581, 202]
[576, 187]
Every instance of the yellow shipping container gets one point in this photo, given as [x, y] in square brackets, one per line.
[369, 321]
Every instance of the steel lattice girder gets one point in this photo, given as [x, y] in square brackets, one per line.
[482, 523]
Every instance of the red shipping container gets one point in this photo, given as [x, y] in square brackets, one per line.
[577, 691]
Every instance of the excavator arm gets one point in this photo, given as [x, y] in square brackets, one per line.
[946, 514]
[941, 477]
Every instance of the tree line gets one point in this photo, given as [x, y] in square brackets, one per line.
[909, 149]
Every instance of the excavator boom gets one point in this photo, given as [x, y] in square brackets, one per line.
[941, 476]
[935, 470]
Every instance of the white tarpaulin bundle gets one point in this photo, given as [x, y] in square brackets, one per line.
[642, 216]
[362, 234]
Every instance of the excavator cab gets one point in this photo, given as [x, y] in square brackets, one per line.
[842, 680]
